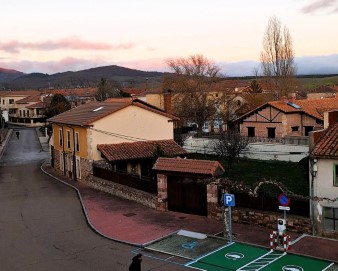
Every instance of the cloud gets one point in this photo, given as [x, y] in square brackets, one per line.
[51, 67]
[332, 5]
[66, 43]
[305, 65]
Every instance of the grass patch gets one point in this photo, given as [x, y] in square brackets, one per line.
[293, 175]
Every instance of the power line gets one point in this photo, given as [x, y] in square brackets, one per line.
[131, 138]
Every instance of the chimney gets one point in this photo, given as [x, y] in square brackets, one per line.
[167, 101]
[330, 118]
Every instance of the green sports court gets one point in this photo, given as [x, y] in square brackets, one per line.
[242, 257]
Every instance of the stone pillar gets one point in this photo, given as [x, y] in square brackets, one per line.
[212, 200]
[162, 192]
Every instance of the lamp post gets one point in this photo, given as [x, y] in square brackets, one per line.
[313, 172]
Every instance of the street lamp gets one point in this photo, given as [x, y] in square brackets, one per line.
[313, 171]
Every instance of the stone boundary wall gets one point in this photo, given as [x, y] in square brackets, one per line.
[122, 191]
[266, 219]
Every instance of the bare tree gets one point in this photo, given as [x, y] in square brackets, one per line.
[277, 58]
[190, 81]
[107, 90]
[229, 145]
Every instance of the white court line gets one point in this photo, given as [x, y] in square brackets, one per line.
[266, 254]
[205, 255]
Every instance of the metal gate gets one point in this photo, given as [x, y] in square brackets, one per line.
[187, 195]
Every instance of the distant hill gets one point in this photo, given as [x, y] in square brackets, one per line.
[9, 75]
[15, 80]
[84, 78]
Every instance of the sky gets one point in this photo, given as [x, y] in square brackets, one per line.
[70, 35]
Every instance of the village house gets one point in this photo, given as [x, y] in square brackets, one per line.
[324, 177]
[23, 107]
[80, 134]
[286, 118]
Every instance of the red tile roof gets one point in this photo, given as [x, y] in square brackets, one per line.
[191, 166]
[140, 150]
[38, 105]
[29, 99]
[314, 108]
[86, 114]
[19, 93]
[327, 146]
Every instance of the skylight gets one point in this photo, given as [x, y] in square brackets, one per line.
[294, 105]
[97, 109]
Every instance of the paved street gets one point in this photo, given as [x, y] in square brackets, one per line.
[42, 225]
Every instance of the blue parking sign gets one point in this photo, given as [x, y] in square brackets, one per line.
[229, 200]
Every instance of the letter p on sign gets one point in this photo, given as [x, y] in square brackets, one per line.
[229, 200]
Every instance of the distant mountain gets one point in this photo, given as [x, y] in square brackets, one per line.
[84, 78]
[9, 75]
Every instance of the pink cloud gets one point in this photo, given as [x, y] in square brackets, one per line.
[321, 4]
[66, 43]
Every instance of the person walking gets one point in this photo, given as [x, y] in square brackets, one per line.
[136, 263]
[17, 134]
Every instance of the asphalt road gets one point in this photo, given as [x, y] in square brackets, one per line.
[42, 225]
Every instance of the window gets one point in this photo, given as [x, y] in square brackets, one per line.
[251, 131]
[271, 132]
[20, 113]
[205, 127]
[308, 129]
[60, 137]
[3, 101]
[335, 175]
[68, 139]
[77, 141]
[331, 218]
[11, 101]
[295, 128]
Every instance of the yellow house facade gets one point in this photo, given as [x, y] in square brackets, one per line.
[78, 132]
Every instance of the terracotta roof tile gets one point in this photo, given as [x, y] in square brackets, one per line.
[327, 146]
[86, 114]
[201, 167]
[29, 99]
[19, 93]
[140, 150]
[38, 105]
[314, 108]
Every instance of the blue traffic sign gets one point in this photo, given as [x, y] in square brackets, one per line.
[229, 200]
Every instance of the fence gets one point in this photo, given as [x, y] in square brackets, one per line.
[266, 203]
[145, 184]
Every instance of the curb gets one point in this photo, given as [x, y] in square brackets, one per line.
[85, 211]
[4, 143]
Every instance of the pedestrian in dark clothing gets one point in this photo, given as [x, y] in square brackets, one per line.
[136, 263]
[17, 134]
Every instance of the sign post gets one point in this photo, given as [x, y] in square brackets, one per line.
[284, 202]
[229, 201]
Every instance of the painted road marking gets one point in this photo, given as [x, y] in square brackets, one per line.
[263, 261]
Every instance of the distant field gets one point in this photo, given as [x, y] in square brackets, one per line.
[310, 83]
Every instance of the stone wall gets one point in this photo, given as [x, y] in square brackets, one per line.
[122, 191]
